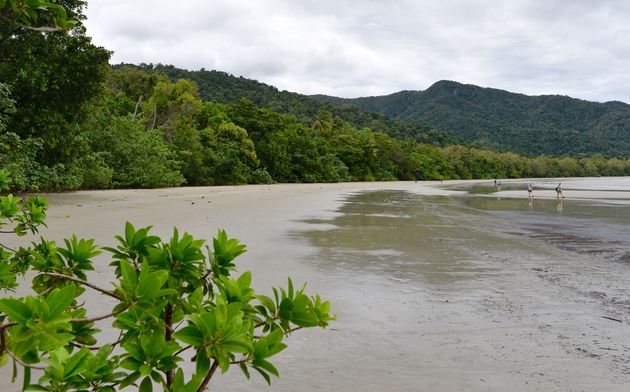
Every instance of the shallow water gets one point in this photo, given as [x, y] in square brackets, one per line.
[476, 292]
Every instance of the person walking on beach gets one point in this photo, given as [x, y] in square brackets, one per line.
[559, 191]
[530, 189]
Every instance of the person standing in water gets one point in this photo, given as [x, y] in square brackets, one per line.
[530, 189]
[559, 191]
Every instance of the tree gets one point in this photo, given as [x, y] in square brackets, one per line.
[53, 75]
[138, 158]
[171, 302]
[229, 154]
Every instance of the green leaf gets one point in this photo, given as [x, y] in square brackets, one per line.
[76, 363]
[268, 303]
[129, 275]
[150, 283]
[190, 334]
[261, 363]
[145, 370]
[4, 359]
[263, 374]
[15, 309]
[243, 367]
[245, 280]
[59, 300]
[27, 378]
[129, 232]
[146, 385]
[202, 364]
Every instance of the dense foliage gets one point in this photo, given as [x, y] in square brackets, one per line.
[170, 302]
[222, 87]
[550, 124]
[144, 130]
[52, 77]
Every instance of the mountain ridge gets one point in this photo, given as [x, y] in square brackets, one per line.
[499, 119]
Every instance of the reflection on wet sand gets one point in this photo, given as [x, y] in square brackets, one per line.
[476, 293]
[396, 233]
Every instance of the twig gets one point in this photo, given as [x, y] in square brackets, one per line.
[85, 283]
[93, 348]
[260, 324]
[613, 319]
[285, 334]
[97, 318]
[206, 380]
[79, 345]
[8, 248]
[182, 350]
[119, 340]
[18, 360]
[168, 321]
[7, 325]
[240, 361]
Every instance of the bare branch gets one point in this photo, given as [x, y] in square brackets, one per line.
[85, 283]
[135, 111]
[285, 334]
[93, 348]
[18, 360]
[206, 380]
[97, 318]
[119, 340]
[8, 248]
[7, 325]
[43, 29]
[182, 350]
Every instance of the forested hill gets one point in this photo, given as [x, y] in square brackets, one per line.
[547, 124]
[222, 87]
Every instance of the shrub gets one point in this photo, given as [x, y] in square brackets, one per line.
[172, 302]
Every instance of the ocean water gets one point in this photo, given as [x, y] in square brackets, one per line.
[592, 222]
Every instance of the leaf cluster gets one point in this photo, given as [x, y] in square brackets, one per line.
[173, 301]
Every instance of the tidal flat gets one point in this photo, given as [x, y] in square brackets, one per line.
[437, 286]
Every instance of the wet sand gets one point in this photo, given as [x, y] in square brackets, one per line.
[434, 290]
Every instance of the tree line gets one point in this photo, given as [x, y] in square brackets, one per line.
[144, 130]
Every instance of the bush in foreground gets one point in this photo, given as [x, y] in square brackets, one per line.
[173, 301]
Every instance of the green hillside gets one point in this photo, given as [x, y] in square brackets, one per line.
[548, 124]
[222, 87]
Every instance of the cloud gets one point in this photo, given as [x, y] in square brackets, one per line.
[358, 48]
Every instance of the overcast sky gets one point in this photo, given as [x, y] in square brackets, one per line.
[353, 48]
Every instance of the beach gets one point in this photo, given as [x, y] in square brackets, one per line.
[435, 289]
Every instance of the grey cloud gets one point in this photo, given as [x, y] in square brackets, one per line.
[355, 48]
